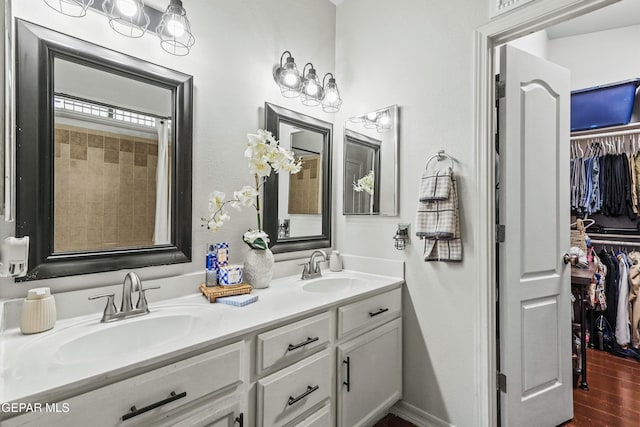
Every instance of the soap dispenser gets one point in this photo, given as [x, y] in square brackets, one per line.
[38, 311]
[335, 263]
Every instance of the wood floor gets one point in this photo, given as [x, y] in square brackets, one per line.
[393, 421]
[613, 398]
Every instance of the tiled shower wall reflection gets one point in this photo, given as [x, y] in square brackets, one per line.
[105, 190]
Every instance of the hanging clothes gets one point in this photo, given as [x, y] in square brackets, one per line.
[623, 336]
[634, 298]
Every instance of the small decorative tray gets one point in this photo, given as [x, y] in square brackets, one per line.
[224, 291]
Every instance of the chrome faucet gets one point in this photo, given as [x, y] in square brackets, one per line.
[130, 284]
[311, 269]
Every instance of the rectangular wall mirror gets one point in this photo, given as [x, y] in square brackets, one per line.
[297, 208]
[103, 157]
[371, 163]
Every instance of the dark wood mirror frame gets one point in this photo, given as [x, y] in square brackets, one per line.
[36, 49]
[274, 115]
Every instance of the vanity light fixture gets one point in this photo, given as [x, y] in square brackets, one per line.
[402, 237]
[311, 91]
[380, 120]
[127, 17]
[307, 86]
[175, 30]
[331, 100]
[370, 120]
[74, 8]
[288, 77]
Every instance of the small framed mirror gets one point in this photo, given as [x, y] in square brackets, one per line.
[103, 157]
[371, 163]
[297, 208]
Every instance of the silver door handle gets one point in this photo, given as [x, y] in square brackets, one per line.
[570, 259]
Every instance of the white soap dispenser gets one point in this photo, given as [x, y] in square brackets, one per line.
[335, 263]
[38, 311]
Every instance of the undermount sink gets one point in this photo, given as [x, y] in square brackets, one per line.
[91, 342]
[332, 284]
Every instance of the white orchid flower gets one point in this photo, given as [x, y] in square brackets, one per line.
[217, 200]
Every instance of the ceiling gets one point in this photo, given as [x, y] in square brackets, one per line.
[618, 15]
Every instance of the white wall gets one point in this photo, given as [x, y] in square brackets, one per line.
[420, 55]
[598, 58]
[237, 45]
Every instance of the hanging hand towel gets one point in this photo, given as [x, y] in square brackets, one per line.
[438, 223]
[435, 185]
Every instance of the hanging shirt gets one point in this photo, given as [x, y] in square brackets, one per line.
[632, 176]
[623, 336]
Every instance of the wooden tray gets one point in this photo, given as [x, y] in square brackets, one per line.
[224, 291]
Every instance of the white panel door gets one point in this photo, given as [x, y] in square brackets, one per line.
[534, 288]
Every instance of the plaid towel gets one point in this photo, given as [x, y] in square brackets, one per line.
[435, 185]
[438, 223]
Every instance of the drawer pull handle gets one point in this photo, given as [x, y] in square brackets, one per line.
[348, 381]
[294, 400]
[135, 411]
[382, 310]
[302, 344]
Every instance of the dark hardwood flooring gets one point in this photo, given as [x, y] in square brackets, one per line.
[613, 399]
[392, 421]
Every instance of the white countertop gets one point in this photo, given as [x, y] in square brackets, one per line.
[29, 374]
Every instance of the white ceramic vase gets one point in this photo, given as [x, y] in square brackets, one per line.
[258, 268]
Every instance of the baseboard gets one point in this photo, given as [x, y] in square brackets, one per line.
[417, 416]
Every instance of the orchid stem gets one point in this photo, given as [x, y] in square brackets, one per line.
[258, 201]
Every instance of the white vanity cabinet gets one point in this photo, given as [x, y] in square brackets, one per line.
[154, 398]
[370, 365]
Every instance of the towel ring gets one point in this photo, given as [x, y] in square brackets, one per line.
[440, 156]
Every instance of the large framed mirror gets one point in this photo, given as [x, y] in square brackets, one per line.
[297, 208]
[370, 163]
[103, 157]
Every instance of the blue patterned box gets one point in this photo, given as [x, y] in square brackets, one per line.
[238, 300]
[230, 275]
[222, 254]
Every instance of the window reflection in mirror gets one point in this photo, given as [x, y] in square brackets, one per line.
[300, 195]
[370, 163]
[112, 160]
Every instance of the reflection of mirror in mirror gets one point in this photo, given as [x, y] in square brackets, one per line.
[300, 195]
[112, 157]
[370, 163]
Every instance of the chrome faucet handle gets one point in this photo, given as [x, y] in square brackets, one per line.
[306, 269]
[110, 308]
[142, 298]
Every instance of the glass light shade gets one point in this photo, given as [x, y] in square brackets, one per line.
[311, 92]
[371, 120]
[174, 30]
[127, 17]
[384, 122]
[331, 101]
[288, 79]
[74, 8]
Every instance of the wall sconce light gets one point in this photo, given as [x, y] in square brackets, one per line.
[127, 17]
[131, 18]
[288, 77]
[74, 8]
[175, 30]
[311, 90]
[402, 237]
[331, 100]
[307, 87]
[384, 122]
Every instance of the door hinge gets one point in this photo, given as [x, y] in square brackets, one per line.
[502, 382]
[501, 90]
[500, 233]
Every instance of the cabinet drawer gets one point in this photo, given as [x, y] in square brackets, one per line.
[292, 341]
[291, 392]
[320, 418]
[197, 376]
[373, 310]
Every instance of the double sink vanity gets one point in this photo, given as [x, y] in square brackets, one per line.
[319, 352]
